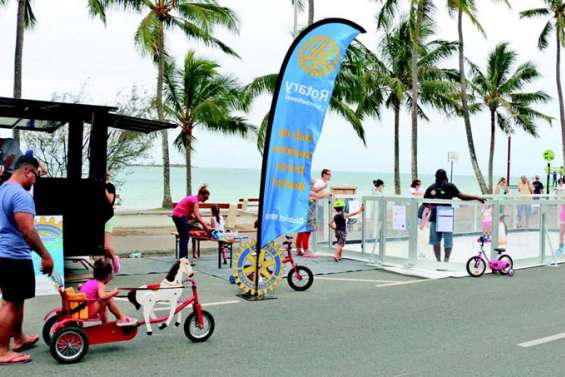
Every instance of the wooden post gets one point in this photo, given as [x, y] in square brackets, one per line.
[74, 163]
[98, 147]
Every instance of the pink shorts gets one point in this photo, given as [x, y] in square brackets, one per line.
[562, 215]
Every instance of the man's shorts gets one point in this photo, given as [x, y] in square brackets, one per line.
[435, 237]
[17, 279]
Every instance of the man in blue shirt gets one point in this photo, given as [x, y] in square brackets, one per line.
[18, 238]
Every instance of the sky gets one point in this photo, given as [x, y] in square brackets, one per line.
[69, 51]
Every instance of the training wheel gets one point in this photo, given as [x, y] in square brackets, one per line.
[511, 272]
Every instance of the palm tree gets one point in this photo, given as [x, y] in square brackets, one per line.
[421, 12]
[555, 11]
[26, 20]
[299, 8]
[393, 68]
[467, 8]
[198, 95]
[500, 91]
[196, 19]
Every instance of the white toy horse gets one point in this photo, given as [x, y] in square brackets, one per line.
[150, 295]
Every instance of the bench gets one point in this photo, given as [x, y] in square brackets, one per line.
[196, 239]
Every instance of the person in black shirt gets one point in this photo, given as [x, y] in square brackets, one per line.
[338, 223]
[110, 196]
[442, 189]
[538, 186]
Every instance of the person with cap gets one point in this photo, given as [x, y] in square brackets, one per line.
[17, 276]
[442, 189]
[338, 223]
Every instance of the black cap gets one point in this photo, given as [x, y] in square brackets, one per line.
[441, 175]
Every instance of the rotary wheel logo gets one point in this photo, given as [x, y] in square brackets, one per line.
[319, 56]
[271, 268]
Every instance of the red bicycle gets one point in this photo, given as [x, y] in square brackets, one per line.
[300, 278]
[69, 331]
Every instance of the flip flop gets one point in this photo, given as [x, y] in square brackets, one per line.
[27, 345]
[17, 359]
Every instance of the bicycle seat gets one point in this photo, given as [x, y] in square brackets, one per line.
[500, 250]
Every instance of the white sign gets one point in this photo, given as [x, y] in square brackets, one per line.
[452, 156]
[444, 219]
[399, 217]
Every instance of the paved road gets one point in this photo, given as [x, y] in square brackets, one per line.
[368, 323]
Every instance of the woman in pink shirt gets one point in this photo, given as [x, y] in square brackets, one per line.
[188, 211]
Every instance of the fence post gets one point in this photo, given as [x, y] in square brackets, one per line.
[413, 233]
[542, 220]
[382, 226]
[494, 228]
[329, 212]
[363, 222]
[474, 219]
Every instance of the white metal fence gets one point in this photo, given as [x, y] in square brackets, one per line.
[388, 232]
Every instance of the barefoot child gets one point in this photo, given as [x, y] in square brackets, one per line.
[95, 289]
[338, 223]
[217, 224]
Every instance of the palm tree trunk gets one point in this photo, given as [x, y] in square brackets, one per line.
[397, 149]
[508, 160]
[415, 55]
[188, 156]
[491, 151]
[167, 201]
[310, 12]
[465, 105]
[18, 58]
[560, 92]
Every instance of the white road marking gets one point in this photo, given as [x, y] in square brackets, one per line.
[222, 303]
[404, 283]
[547, 339]
[354, 280]
[206, 304]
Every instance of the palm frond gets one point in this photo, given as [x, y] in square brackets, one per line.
[349, 114]
[262, 132]
[208, 15]
[192, 30]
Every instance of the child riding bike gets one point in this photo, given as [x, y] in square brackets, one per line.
[100, 299]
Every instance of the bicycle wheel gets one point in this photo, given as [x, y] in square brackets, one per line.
[300, 278]
[69, 345]
[476, 266]
[47, 327]
[198, 333]
[507, 259]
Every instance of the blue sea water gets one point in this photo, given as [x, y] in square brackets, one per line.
[142, 186]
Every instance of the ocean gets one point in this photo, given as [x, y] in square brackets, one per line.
[142, 186]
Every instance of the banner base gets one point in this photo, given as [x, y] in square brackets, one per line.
[254, 298]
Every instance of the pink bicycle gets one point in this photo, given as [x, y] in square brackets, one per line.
[477, 265]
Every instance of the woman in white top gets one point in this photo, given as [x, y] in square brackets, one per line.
[416, 189]
[378, 187]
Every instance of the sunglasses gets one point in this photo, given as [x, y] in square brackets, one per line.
[36, 173]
